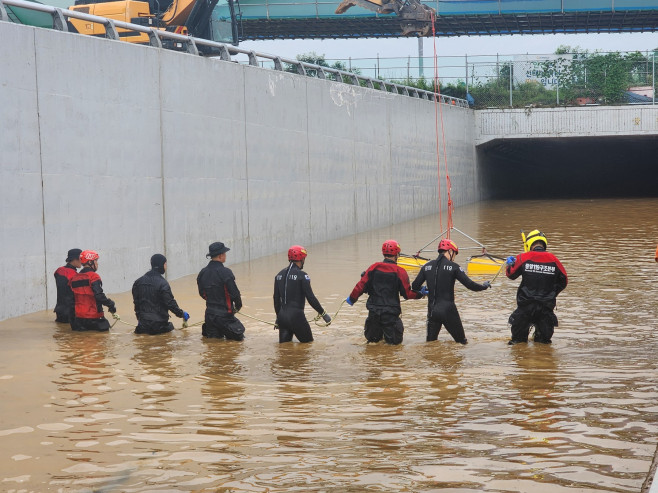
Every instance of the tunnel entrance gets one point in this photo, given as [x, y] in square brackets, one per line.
[576, 167]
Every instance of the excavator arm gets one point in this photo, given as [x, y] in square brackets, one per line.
[415, 18]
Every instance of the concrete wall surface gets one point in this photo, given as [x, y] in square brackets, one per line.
[130, 150]
[565, 122]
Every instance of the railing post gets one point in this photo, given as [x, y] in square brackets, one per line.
[320, 73]
[191, 48]
[511, 86]
[224, 54]
[154, 39]
[253, 61]
[3, 13]
[111, 30]
[466, 67]
[277, 64]
[300, 69]
[59, 22]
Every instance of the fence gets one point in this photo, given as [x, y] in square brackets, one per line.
[497, 81]
[160, 38]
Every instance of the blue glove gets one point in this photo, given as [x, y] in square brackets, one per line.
[487, 284]
[186, 316]
[349, 301]
[510, 260]
[424, 291]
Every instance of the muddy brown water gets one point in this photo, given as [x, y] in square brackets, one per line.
[120, 412]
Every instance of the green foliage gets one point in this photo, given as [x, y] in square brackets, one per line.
[315, 59]
[601, 77]
[457, 90]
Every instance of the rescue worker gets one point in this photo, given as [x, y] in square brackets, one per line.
[154, 300]
[440, 275]
[89, 296]
[384, 282]
[65, 306]
[217, 286]
[292, 287]
[542, 278]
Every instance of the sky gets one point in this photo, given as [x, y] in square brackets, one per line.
[455, 46]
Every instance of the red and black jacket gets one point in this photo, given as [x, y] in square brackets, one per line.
[543, 279]
[217, 286]
[65, 299]
[384, 282]
[89, 296]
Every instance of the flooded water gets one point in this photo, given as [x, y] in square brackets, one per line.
[120, 412]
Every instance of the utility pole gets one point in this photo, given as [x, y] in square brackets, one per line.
[421, 73]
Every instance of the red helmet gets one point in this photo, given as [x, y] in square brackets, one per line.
[447, 244]
[296, 253]
[391, 247]
[88, 256]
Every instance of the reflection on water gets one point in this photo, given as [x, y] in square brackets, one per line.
[177, 413]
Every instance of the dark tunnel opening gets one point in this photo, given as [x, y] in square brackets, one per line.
[576, 167]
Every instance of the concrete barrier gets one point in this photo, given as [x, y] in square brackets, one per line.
[131, 150]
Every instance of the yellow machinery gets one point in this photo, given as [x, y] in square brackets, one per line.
[180, 16]
[415, 17]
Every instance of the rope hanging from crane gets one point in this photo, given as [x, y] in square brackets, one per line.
[438, 117]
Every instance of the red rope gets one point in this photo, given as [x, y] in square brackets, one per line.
[437, 117]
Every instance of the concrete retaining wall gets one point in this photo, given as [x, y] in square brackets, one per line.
[131, 150]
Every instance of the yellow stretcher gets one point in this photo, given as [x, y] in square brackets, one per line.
[477, 265]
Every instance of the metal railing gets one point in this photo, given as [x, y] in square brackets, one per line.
[504, 81]
[198, 46]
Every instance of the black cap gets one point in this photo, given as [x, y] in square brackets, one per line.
[157, 262]
[217, 248]
[74, 254]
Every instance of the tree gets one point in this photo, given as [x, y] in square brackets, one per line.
[315, 59]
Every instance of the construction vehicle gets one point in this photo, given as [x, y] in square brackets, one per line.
[415, 18]
[186, 17]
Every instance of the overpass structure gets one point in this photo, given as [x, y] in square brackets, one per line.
[292, 19]
[238, 20]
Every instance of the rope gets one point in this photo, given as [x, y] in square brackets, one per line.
[437, 90]
[499, 271]
[117, 318]
[437, 86]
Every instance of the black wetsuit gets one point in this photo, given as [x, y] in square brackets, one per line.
[543, 278]
[384, 282]
[292, 287]
[440, 275]
[217, 286]
[65, 306]
[153, 301]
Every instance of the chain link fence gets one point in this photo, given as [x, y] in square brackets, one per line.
[517, 81]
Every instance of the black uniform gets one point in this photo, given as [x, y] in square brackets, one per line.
[543, 278]
[153, 301]
[217, 286]
[384, 282]
[440, 275]
[292, 287]
[65, 306]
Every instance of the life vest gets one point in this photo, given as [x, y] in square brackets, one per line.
[65, 271]
[85, 301]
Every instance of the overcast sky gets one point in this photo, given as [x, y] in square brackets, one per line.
[479, 45]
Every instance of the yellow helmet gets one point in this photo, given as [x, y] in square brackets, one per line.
[533, 237]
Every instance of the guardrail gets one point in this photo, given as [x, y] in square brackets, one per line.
[224, 52]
